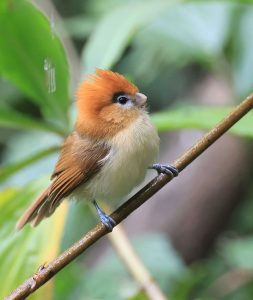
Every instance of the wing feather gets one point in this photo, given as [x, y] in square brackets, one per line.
[80, 159]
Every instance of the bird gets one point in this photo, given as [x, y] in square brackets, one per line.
[107, 154]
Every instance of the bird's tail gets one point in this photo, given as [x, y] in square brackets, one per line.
[39, 209]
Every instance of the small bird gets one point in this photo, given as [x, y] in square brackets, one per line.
[108, 153]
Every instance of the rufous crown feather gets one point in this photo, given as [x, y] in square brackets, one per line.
[98, 115]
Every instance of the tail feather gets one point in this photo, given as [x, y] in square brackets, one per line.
[43, 212]
[37, 211]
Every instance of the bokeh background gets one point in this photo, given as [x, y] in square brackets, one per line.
[194, 61]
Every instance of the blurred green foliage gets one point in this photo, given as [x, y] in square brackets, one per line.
[200, 117]
[22, 254]
[24, 55]
[163, 46]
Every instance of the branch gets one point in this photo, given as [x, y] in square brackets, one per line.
[46, 272]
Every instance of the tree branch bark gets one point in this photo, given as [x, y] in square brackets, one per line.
[46, 272]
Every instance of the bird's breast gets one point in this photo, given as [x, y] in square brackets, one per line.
[132, 151]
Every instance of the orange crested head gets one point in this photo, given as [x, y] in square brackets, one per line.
[107, 103]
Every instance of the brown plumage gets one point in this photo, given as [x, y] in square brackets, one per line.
[69, 172]
[93, 156]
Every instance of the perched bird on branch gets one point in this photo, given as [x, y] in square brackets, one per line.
[109, 151]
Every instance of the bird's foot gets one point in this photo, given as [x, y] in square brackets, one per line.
[165, 169]
[104, 218]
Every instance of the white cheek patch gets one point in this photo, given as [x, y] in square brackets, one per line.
[128, 105]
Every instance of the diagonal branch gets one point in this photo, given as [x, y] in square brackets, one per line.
[46, 272]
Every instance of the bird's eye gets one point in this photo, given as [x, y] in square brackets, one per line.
[122, 100]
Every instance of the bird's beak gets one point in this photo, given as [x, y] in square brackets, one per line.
[140, 99]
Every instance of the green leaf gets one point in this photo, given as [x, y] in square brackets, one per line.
[186, 27]
[239, 252]
[80, 27]
[200, 117]
[21, 253]
[188, 285]
[79, 220]
[7, 171]
[140, 296]
[115, 30]
[25, 145]
[157, 254]
[13, 119]
[242, 58]
[27, 43]
[179, 36]
[242, 221]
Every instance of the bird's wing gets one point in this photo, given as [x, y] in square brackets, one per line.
[79, 161]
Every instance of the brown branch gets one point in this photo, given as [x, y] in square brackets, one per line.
[47, 272]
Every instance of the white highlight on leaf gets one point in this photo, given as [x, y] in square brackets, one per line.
[52, 25]
[50, 75]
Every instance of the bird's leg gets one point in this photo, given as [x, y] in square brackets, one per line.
[104, 218]
[166, 169]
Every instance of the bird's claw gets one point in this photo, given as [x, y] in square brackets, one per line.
[104, 218]
[107, 221]
[165, 169]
